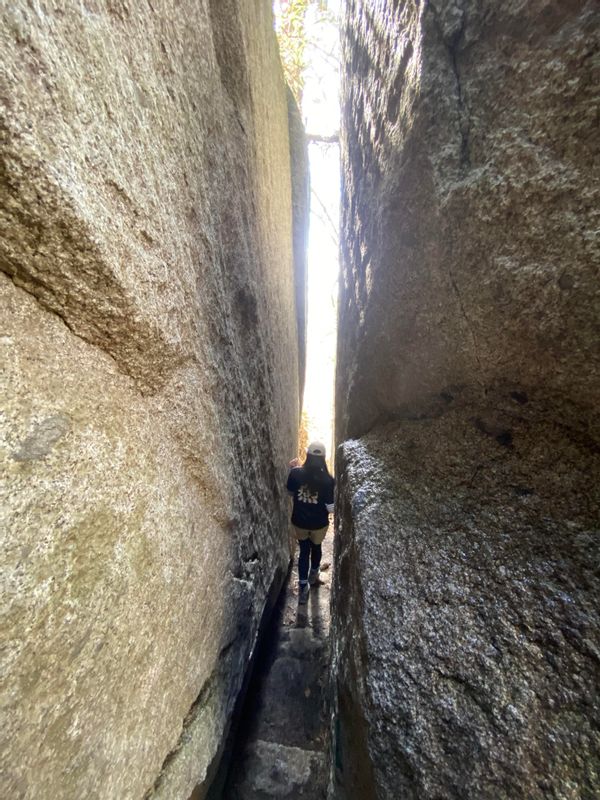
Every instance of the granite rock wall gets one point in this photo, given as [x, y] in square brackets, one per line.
[466, 650]
[149, 385]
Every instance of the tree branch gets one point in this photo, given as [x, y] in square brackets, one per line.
[317, 137]
[333, 228]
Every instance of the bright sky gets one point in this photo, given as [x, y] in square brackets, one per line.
[321, 112]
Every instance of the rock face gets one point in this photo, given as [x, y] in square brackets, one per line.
[150, 385]
[466, 652]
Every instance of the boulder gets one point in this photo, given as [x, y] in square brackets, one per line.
[150, 389]
[466, 656]
[273, 771]
[465, 626]
[470, 247]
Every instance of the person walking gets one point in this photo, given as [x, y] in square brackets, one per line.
[311, 487]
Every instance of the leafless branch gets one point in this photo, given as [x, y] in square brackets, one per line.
[317, 137]
[332, 227]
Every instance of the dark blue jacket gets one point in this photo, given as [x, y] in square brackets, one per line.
[311, 508]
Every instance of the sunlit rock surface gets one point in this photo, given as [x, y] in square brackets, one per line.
[466, 652]
[149, 385]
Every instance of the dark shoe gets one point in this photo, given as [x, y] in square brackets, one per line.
[313, 576]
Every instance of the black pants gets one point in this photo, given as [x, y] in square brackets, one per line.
[309, 552]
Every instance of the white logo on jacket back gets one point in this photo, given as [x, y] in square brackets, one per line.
[304, 495]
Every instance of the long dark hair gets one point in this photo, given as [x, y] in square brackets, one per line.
[315, 472]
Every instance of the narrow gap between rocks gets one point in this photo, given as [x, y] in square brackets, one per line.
[280, 747]
[318, 97]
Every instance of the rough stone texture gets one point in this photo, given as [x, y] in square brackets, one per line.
[149, 389]
[465, 634]
[467, 652]
[471, 211]
[273, 771]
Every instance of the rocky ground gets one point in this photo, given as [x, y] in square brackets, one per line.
[282, 749]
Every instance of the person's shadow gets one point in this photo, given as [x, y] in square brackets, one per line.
[311, 609]
[315, 601]
[302, 615]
